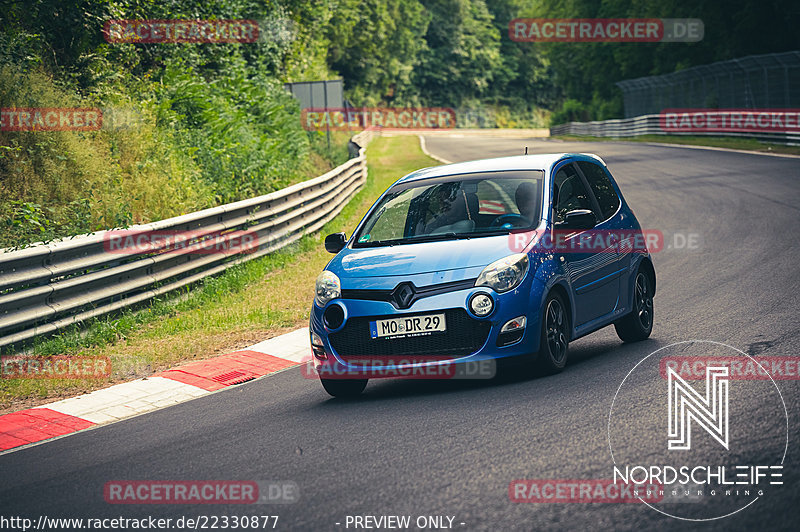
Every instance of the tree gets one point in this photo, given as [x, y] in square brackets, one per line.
[376, 45]
[462, 59]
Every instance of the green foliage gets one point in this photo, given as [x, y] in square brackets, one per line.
[587, 72]
[24, 222]
[571, 111]
[213, 124]
[463, 56]
[243, 131]
[376, 45]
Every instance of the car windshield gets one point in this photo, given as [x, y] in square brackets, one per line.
[458, 206]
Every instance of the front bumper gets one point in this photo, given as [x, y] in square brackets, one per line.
[348, 348]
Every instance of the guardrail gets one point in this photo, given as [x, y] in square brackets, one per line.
[47, 287]
[651, 125]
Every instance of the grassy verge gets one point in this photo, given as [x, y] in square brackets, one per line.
[715, 142]
[246, 304]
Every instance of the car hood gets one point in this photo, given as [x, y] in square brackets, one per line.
[424, 257]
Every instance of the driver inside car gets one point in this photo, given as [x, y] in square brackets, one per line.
[526, 198]
[456, 216]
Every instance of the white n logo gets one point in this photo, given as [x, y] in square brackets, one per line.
[685, 405]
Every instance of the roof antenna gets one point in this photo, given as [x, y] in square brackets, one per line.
[526, 150]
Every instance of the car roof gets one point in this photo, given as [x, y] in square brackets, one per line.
[541, 161]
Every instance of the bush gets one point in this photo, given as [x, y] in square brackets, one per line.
[571, 111]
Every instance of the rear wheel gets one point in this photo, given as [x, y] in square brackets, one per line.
[554, 341]
[344, 387]
[638, 324]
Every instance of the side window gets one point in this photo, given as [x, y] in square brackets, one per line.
[572, 192]
[602, 188]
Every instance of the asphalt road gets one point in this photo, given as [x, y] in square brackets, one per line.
[432, 448]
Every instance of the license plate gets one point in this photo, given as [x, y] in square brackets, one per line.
[411, 326]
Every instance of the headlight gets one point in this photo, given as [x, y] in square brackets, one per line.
[328, 287]
[504, 274]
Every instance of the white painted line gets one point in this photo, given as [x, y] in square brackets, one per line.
[127, 399]
[294, 346]
[670, 145]
[716, 148]
[617, 141]
[118, 412]
[130, 399]
[429, 154]
[488, 132]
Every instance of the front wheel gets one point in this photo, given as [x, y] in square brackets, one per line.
[638, 324]
[554, 341]
[344, 387]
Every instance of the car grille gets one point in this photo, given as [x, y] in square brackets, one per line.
[417, 292]
[464, 336]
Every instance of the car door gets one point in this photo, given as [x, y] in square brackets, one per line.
[609, 203]
[589, 256]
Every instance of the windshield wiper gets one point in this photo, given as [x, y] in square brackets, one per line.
[411, 240]
[493, 232]
[376, 243]
[430, 238]
[433, 238]
[420, 239]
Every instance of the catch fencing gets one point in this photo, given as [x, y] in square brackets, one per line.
[769, 81]
[652, 125]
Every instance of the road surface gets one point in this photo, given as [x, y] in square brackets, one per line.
[451, 449]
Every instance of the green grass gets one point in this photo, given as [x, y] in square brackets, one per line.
[244, 305]
[716, 142]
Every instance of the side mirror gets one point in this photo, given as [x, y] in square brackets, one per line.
[579, 219]
[335, 243]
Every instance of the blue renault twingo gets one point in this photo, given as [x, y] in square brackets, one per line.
[482, 260]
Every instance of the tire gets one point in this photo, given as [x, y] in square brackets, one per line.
[344, 388]
[638, 324]
[555, 332]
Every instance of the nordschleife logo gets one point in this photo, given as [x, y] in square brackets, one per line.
[716, 447]
[685, 405]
